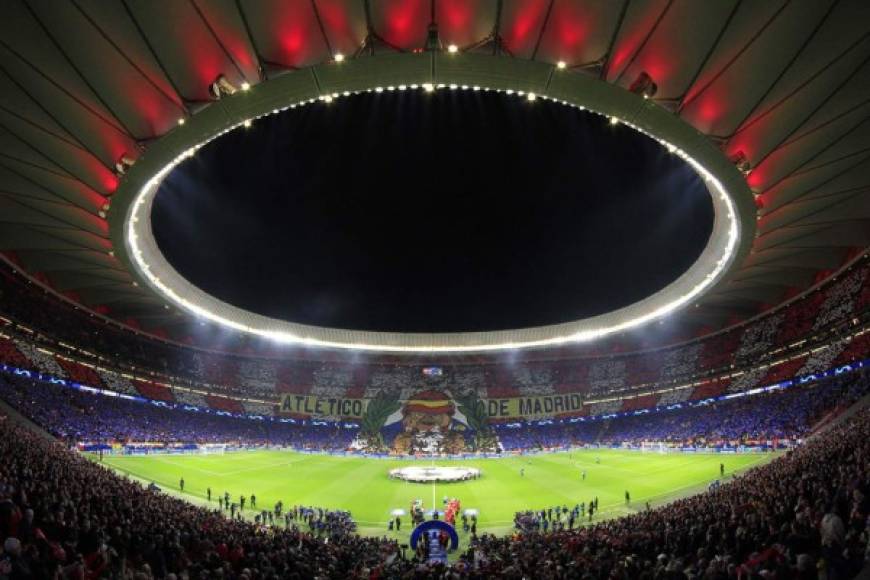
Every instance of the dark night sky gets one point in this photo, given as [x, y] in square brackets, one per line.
[412, 212]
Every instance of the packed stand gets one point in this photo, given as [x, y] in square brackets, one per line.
[77, 416]
[803, 516]
[62, 516]
[781, 415]
[822, 316]
[777, 417]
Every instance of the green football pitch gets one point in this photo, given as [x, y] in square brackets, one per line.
[362, 486]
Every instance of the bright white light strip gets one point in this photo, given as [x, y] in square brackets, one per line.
[139, 224]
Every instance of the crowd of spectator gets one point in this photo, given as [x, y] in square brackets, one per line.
[77, 416]
[804, 515]
[62, 516]
[775, 418]
[824, 315]
[779, 416]
[26, 302]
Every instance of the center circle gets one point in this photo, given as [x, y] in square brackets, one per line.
[434, 474]
[447, 212]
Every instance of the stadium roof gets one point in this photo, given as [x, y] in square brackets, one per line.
[86, 83]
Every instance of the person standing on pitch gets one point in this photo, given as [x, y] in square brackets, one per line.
[722, 469]
[208, 493]
[181, 484]
[627, 498]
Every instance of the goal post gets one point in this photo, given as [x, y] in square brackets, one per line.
[213, 449]
[654, 447]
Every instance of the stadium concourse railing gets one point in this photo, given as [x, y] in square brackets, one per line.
[751, 359]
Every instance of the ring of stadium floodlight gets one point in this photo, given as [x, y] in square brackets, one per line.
[731, 237]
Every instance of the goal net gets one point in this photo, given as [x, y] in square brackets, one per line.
[213, 449]
[654, 447]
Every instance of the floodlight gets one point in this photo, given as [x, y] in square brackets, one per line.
[123, 164]
[644, 86]
[741, 162]
[221, 87]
